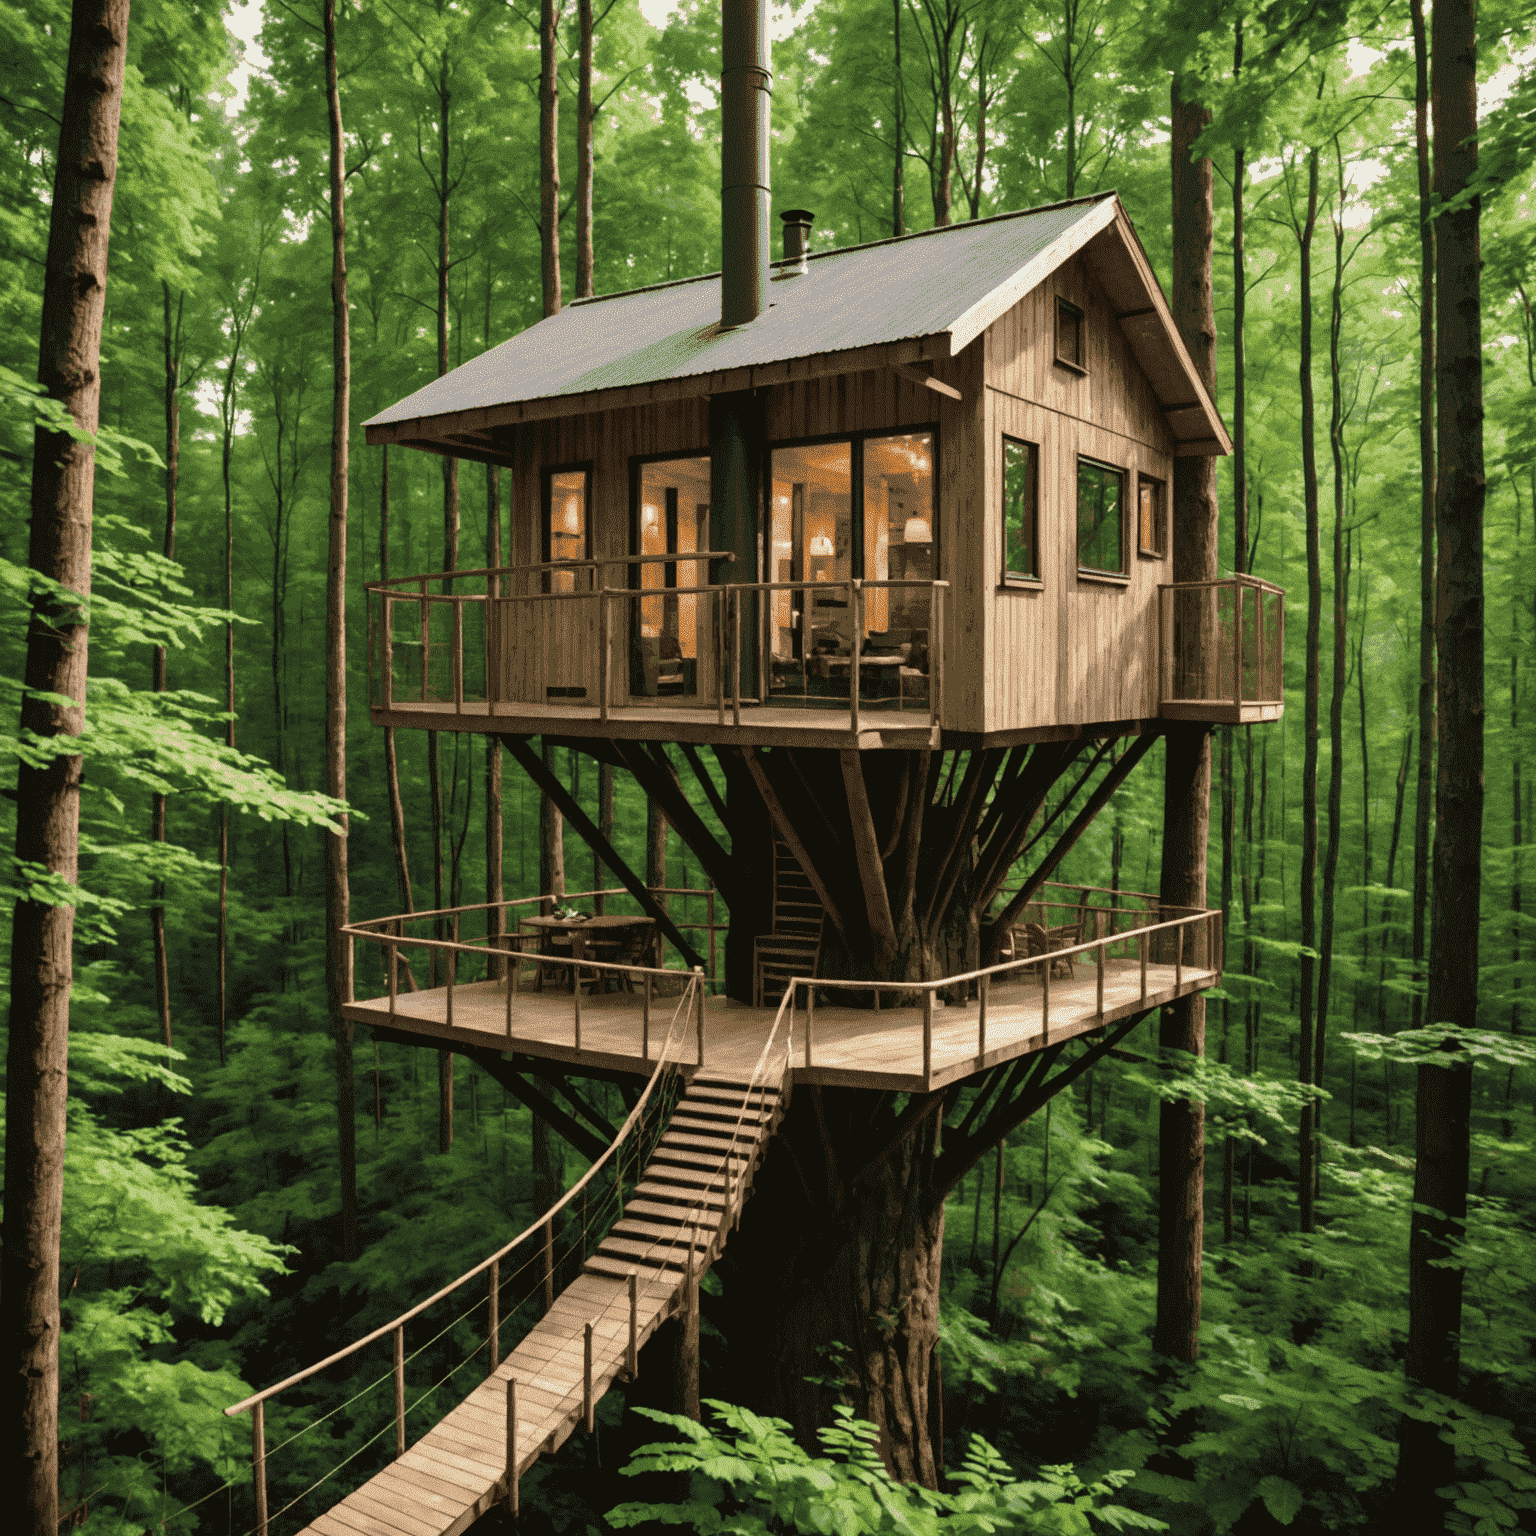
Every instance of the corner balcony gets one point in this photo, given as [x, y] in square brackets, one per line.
[1221, 651]
[622, 648]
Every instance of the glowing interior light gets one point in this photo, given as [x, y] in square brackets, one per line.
[821, 546]
[917, 531]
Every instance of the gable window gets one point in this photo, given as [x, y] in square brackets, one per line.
[1151, 518]
[567, 532]
[1021, 511]
[1071, 335]
[1100, 518]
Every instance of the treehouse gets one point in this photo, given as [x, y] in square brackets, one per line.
[921, 496]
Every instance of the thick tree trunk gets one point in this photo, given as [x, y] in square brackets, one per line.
[549, 152]
[1187, 785]
[585, 122]
[1306, 1171]
[899, 125]
[48, 799]
[1427, 1462]
[338, 900]
[847, 1268]
[1424, 786]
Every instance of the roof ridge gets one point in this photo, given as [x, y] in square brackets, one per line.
[866, 245]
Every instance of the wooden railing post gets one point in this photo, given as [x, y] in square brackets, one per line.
[698, 988]
[1141, 946]
[981, 1022]
[632, 1357]
[720, 607]
[388, 660]
[710, 915]
[810, 1008]
[394, 974]
[426, 638]
[605, 660]
[1100, 960]
[1237, 646]
[259, 1464]
[645, 1022]
[399, 1373]
[1045, 1000]
[548, 1263]
[586, 1377]
[855, 608]
[927, 1037]
[458, 654]
[493, 1330]
[512, 1478]
[736, 657]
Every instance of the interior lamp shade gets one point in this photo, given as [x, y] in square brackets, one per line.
[821, 546]
[917, 531]
[570, 515]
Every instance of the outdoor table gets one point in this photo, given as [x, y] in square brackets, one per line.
[614, 927]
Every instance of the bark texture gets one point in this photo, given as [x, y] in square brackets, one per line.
[48, 799]
[1187, 783]
[1427, 1462]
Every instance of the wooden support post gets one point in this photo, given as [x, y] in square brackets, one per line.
[686, 1377]
[586, 1377]
[710, 913]
[736, 657]
[632, 1358]
[645, 1022]
[576, 991]
[512, 1477]
[981, 1023]
[394, 977]
[1141, 945]
[1178, 959]
[698, 988]
[424, 603]
[810, 1008]
[1100, 958]
[720, 650]
[457, 657]
[855, 607]
[389, 651]
[453, 966]
[549, 1263]
[605, 661]
[927, 1038]
[259, 1464]
[399, 1373]
[493, 1329]
[1045, 1000]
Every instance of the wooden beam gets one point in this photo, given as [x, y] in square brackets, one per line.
[533, 765]
[591, 1147]
[659, 780]
[706, 783]
[927, 380]
[786, 830]
[866, 851]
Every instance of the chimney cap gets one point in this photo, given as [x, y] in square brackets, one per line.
[797, 216]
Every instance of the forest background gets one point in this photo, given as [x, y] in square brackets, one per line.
[201, 1245]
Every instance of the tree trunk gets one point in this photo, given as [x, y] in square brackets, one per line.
[1187, 785]
[1306, 1178]
[391, 760]
[1426, 1461]
[1424, 787]
[848, 1270]
[585, 120]
[48, 798]
[899, 122]
[549, 152]
[338, 900]
[495, 890]
[172, 401]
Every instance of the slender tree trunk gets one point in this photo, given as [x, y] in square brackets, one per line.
[1187, 785]
[1306, 1177]
[48, 798]
[338, 899]
[549, 152]
[495, 891]
[391, 760]
[604, 818]
[172, 352]
[1424, 788]
[585, 120]
[1340, 664]
[899, 123]
[1444, 1100]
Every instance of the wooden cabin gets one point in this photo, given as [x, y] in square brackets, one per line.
[962, 522]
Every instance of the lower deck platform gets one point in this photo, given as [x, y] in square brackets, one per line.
[848, 1047]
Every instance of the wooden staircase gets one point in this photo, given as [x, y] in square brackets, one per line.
[794, 946]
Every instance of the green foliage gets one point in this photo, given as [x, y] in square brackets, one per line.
[751, 1478]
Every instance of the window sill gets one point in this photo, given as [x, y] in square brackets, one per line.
[1151, 554]
[1071, 367]
[1105, 578]
[1021, 584]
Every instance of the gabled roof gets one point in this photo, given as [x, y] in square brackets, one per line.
[917, 296]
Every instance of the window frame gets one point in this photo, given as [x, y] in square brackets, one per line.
[1160, 550]
[1078, 364]
[1122, 576]
[1017, 580]
[547, 475]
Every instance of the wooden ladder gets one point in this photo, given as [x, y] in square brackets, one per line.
[794, 946]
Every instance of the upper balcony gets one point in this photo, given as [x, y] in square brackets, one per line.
[1221, 651]
[648, 645]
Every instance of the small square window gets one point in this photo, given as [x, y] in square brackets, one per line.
[1071, 335]
[1100, 518]
[1021, 533]
[1151, 518]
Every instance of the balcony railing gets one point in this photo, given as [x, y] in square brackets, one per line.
[567, 633]
[1221, 649]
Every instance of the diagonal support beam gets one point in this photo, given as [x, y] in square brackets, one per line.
[534, 1067]
[658, 780]
[866, 853]
[533, 765]
[496, 1067]
[707, 784]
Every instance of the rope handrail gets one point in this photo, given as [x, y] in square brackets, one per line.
[525, 901]
[663, 1062]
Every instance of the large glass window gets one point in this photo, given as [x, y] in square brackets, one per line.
[1100, 517]
[674, 520]
[898, 531]
[565, 523]
[812, 541]
[1021, 532]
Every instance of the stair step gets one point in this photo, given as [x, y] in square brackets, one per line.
[705, 1092]
[696, 1152]
[619, 1269]
[683, 1215]
[629, 1227]
[721, 1081]
[730, 1113]
[654, 1255]
[679, 1199]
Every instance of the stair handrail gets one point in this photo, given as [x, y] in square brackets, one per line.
[665, 1060]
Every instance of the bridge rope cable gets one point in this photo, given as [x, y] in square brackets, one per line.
[651, 1111]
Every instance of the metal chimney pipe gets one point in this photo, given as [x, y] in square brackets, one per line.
[746, 92]
[797, 232]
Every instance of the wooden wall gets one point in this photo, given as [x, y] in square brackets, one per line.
[1072, 649]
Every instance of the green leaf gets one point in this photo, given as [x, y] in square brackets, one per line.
[1282, 1498]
